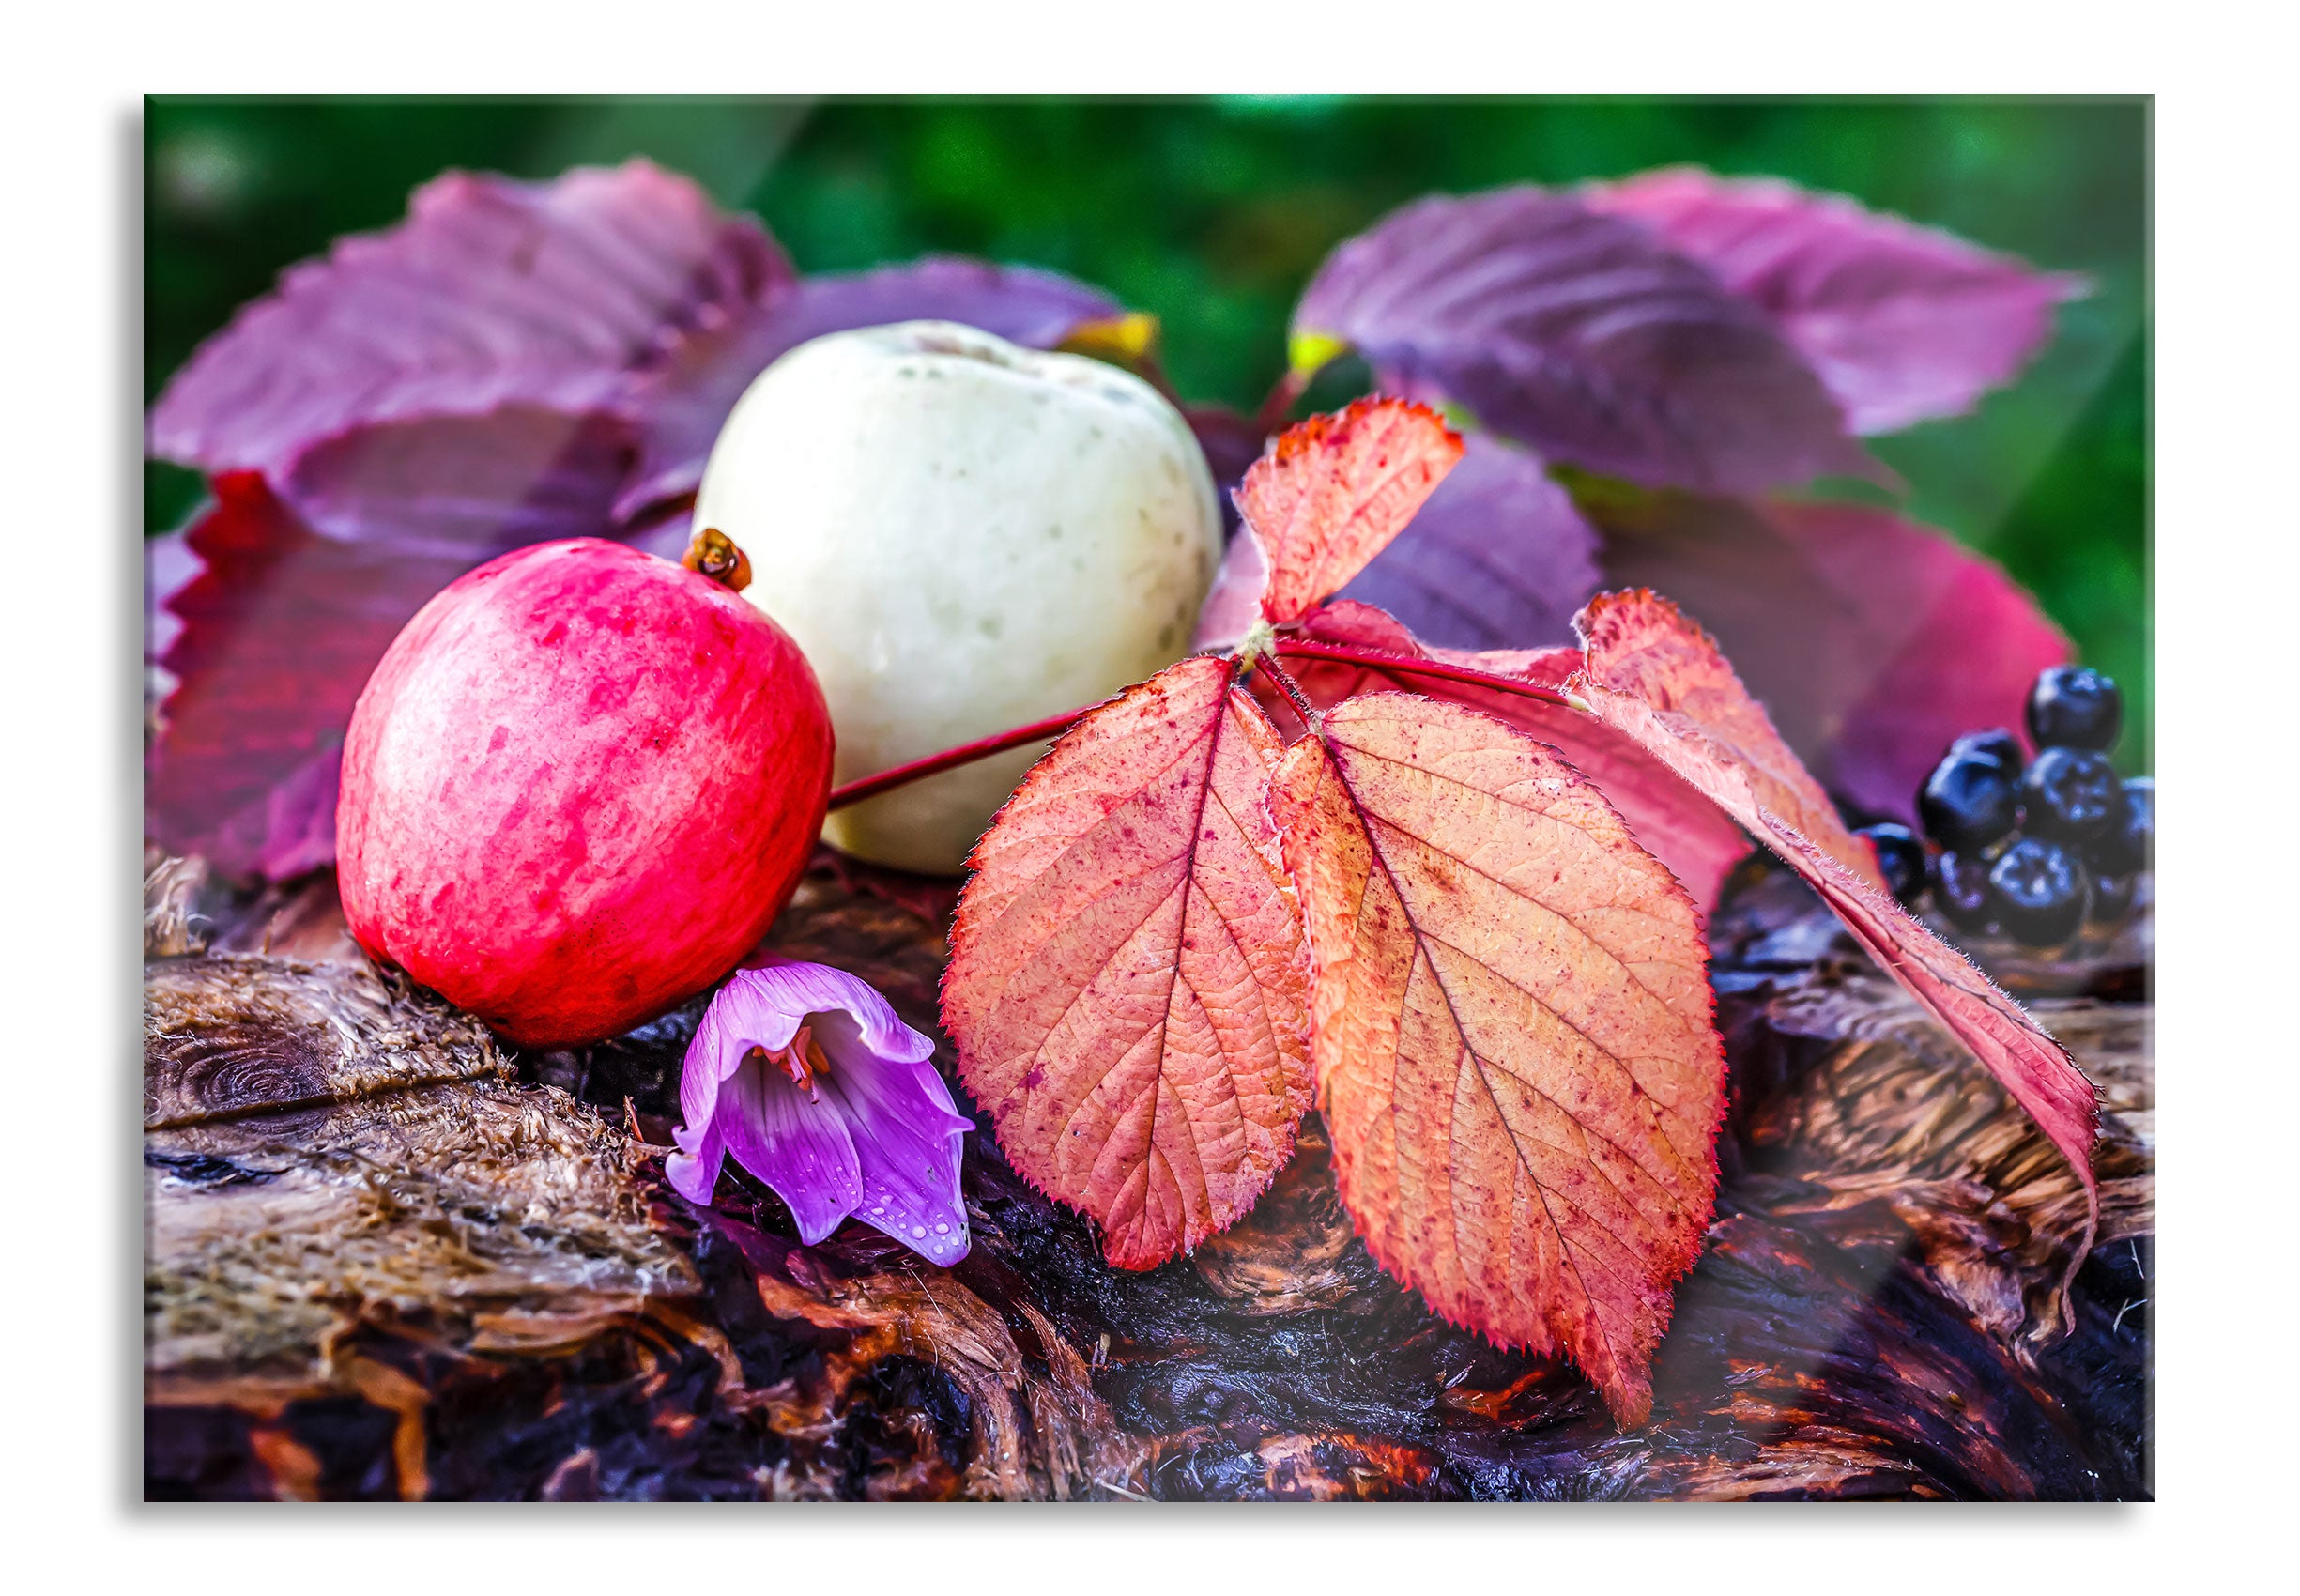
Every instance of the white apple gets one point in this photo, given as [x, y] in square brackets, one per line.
[964, 536]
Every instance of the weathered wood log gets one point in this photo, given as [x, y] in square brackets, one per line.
[387, 1259]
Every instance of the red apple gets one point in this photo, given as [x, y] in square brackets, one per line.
[578, 788]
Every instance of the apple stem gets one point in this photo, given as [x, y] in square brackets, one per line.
[950, 759]
[711, 553]
[1405, 665]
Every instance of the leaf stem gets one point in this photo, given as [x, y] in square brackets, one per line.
[950, 759]
[1267, 662]
[1406, 665]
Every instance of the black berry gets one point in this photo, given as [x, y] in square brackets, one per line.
[1998, 743]
[2070, 796]
[2074, 706]
[2040, 891]
[2112, 898]
[1971, 799]
[1900, 857]
[2129, 842]
[1960, 887]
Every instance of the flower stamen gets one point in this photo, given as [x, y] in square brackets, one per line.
[802, 1060]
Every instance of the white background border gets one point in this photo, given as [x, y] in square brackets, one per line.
[69, 387]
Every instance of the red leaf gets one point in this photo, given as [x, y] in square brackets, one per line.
[1873, 640]
[491, 293]
[1659, 678]
[1510, 1022]
[1334, 489]
[1127, 978]
[1904, 322]
[1676, 824]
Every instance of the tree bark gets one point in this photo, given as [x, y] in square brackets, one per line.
[387, 1258]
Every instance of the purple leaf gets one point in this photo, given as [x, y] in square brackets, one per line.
[1580, 335]
[491, 293]
[1497, 559]
[683, 404]
[466, 487]
[1870, 639]
[1904, 322]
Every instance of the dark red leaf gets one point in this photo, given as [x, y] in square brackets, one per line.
[1581, 335]
[683, 404]
[1872, 640]
[1497, 559]
[1904, 322]
[491, 293]
[279, 630]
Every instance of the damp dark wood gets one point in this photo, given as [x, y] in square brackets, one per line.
[388, 1259]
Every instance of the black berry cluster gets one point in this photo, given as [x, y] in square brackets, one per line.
[2034, 849]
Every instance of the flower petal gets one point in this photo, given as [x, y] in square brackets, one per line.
[797, 1143]
[789, 986]
[908, 1136]
[693, 1170]
[761, 1007]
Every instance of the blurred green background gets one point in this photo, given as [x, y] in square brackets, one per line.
[1213, 213]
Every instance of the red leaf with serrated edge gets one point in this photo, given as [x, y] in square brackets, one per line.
[1511, 1021]
[1679, 826]
[1128, 982]
[1334, 489]
[1658, 677]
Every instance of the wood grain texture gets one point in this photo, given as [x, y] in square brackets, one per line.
[1880, 1207]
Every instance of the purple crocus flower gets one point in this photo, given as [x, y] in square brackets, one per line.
[805, 1075]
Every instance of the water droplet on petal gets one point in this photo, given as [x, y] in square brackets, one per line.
[942, 1230]
[918, 1229]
